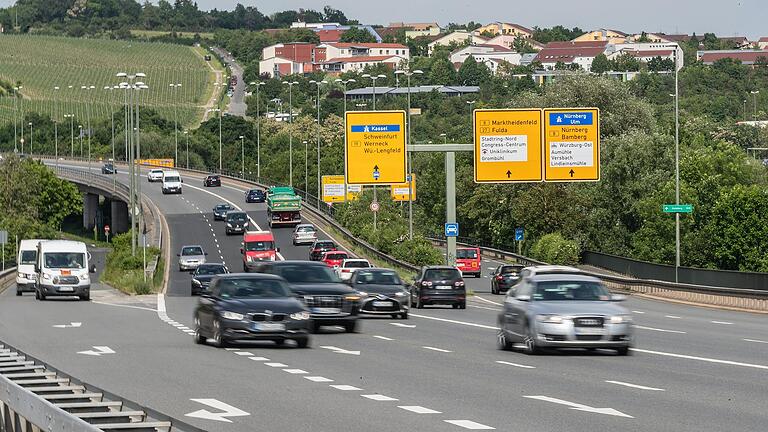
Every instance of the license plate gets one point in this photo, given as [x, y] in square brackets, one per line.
[443, 287]
[326, 310]
[66, 289]
[382, 303]
[269, 327]
[589, 331]
[460, 265]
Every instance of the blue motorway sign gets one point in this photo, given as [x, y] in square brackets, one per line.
[452, 229]
[570, 118]
[519, 234]
[375, 128]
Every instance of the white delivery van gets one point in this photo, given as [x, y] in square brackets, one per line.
[25, 266]
[63, 268]
[172, 182]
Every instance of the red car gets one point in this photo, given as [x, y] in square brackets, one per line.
[468, 261]
[334, 258]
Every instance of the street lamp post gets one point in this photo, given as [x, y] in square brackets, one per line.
[318, 84]
[186, 134]
[445, 138]
[175, 88]
[290, 85]
[242, 156]
[30, 138]
[15, 115]
[72, 133]
[344, 83]
[88, 120]
[133, 149]
[306, 167]
[754, 94]
[373, 79]
[56, 124]
[258, 130]
[80, 137]
[408, 75]
[219, 111]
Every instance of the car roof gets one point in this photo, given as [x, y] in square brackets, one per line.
[553, 269]
[249, 276]
[192, 245]
[302, 262]
[439, 267]
[336, 252]
[258, 235]
[564, 278]
[304, 226]
[354, 259]
[210, 264]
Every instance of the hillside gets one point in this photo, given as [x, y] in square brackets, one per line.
[41, 63]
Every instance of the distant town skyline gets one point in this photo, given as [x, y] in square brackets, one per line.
[724, 17]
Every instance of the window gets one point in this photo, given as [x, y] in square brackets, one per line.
[257, 246]
[466, 254]
[302, 273]
[64, 260]
[192, 250]
[356, 264]
[378, 278]
[305, 229]
[246, 288]
[171, 179]
[570, 291]
[206, 269]
[237, 217]
[336, 256]
[28, 257]
[442, 274]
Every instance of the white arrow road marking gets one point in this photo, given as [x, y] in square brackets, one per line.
[580, 407]
[626, 384]
[97, 351]
[403, 325]
[338, 350]
[228, 411]
[469, 424]
[70, 325]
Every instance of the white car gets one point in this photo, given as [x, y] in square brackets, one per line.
[171, 182]
[304, 234]
[155, 175]
[348, 266]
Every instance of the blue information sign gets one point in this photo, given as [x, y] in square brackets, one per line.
[452, 229]
[570, 118]
[519, 234]
[375, 128]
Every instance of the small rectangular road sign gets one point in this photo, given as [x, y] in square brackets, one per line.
[374, 151]
[333, 188]
[452, 229]
[400, 191]
[571, 144]
[677, 208]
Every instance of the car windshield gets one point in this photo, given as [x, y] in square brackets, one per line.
[223, 207]
[192, 250]
[246, 288]
[213, 177]
[237, 217]
[259, 246]
[466, 254]
[254, 192]
[510, 269]
[28, 257]
[305, 229]
[570, 291]
[65, 260]
[325, 245]
[298, 273]
[442, 274]
[155, 171]
[336, 256]
[210, 269]
[378, 278]
[172, 179]
[357, 264]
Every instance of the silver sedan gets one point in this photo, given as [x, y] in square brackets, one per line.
[190, 257]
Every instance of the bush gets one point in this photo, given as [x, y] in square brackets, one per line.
[555, 249]
[125, 271]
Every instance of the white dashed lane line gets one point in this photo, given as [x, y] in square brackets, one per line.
[344, 387]
[379, 398]
[637, 386]
[244, 353]
[318, 379]
[276, 365]
[515, 364]
[383, 338]
[468, 424]
[658, 329]
[437, 349]
[262, 359]
[296, 371]
[419, 409]
[755, 341]
[672, 316]
[722, 322]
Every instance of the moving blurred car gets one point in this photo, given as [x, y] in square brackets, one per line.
[237, 222]
[505, 276]
[556, 309]
[212, 180]
[438, 285]
[255, 196]
[155, 175]
[304, 234]
[468, 261]
[220, 211]
[381, 291]
[201, 277]
[109, 168]
[319, 247]
[349, 266]
[333, 259]
[258, 246]
[190, 257]
[251, 307]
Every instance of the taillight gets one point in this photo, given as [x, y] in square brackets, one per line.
[499, 277]
[426, 283]
[459, 283]
[345, 270]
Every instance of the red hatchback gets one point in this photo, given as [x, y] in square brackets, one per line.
[334, 258]
[468, 261]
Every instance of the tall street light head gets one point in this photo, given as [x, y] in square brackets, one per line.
[141, 75]
[365, 76]
[381, 76]
[121, 75]
[56, 88]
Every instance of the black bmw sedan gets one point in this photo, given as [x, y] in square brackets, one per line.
[203, 274]
[242, 307]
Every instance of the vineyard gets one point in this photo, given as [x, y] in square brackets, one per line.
[41, 63]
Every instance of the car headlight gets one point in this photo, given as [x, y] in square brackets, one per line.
[352, 297]
[362, 294]
[84, 277]
[229, 225]
[196, 282]
[552, 319]
[245, 224]
[300, 316]
[249, 258]
[232, 315]
[620, 319]
[400, 294]
[46, 276]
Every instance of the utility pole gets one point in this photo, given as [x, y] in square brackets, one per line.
[242, 156]
[258, 130]
[56, 124]
[175, 88]
[408, 74]
[290, 85]
[318, 84]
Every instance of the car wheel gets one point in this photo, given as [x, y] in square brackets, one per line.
[531, 347]
[624, 351]
[279, 342]
[302, 342]
[218, 338]
[455, 305]
[86, 297]
[315, 327]
[493, 289]
[395, 316]
[503, 342]
[463, 305]
[18, 292]
[404, 315]
[37, 295]
[351, 327]
[198, 337]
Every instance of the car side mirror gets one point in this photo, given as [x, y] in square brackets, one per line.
[205, 253]
[277, 250]
[182, 180]
[523, 297]
[242, 251]
[178, 255]
[92, 268]
[618, 297]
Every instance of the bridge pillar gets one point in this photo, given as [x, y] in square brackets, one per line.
[90, 206]
[119, 211]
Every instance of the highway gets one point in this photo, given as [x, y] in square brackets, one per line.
[694, 369]
[237, 105]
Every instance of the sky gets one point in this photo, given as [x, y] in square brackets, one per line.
[723, 17]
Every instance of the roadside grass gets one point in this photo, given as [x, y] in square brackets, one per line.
[124, 271]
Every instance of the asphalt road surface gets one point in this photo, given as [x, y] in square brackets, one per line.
[237, 105]
[693, 369]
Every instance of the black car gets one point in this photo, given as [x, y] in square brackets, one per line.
[255, 196]
[504, 277]
[319, 247]
[237, 222]
[330, 302]
[203, 274]
[212, 180]
[438, 285]
[220, 211]
[381, 291]
[109, 168]
[251, 307]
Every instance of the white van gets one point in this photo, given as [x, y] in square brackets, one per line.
[63, 269]
[172, 182]
[25, 266]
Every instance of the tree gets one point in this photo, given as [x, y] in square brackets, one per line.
[625, 63]
[473, 73]
[658, 64]
[523, 46]
[358, 34]
[600, 64]
[442, 71]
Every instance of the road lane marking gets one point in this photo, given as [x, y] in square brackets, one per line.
[70, 325]
[658, 329]
[338, 350]
[483, 307]
[704, 359]
[487, 301]
[244, 353]
[581, 407]
[295, 371]
[722, 322]
[419, 409]
[638, 312]
[231, 349]
[124, 306]
[379, 398]
[672, 316]
[276, 365]
[403, 325]
[227, 411]
[318, 379]
[436, 349]
[515, 364]
[98, 351]
[453, 322]
[626, 384]
[755, 341]
[344, 387]
[383, 338]
[469, 424]
[262, 359]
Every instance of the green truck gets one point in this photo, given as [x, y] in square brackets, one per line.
[283, 206]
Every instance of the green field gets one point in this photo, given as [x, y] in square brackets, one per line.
[41, 63]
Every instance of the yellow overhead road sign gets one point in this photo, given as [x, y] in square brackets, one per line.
[508, 145]
[400, 191]
[333, 188]
[572, 144]
[374, 152]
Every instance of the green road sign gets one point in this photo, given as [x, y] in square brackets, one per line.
[678, 208]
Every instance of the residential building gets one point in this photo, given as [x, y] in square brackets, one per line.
[302, 58]
[762, 43]
[492, 55]
[331, 32]
[580, 53]
[747, 57]
[367, 92]
[459, 37]
[356, 64]
[503, 28]
[645, 52]
[290, 58]
[414, 30]
[508, 41]
[604, 35]
[652, 38]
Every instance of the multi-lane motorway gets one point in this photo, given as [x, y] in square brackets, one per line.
[694, 369]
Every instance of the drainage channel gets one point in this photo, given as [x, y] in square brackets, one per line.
[102, 409]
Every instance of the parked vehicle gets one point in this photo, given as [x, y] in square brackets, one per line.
[334, 259]
[283, 207]
[435, 285]
[237, 222]
[203, 274]
[255, 196]
[154, 175]
[26, 261]
[468, 261]
[258, 246]
[505, 276]
[220, 211]
[349, 266]
[108, 168]
[63, 269]
[381, 291]
[304, 234]
[190, 257]
[319, 247]
[251, 307]
[551, 307]
[212, 181]
[172, 182]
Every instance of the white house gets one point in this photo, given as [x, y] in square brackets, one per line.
[355, 64]
[645, 52]
[342, 50]
[458, 37]
[491, 55]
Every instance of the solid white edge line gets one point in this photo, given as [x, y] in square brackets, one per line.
[658, 329]
[124, 306]
[704, 359]
[637, 386]
[477, 297]
[755, 341]
[454, 321]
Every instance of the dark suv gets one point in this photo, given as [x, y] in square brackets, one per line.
[438, 285]
[109, 168]
[255, 196]
[212, 180]
[504, 277]
[330, 302]
[319, 247]
[237, 222]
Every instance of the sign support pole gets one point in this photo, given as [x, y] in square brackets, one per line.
[450, 205]
[375, 199]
